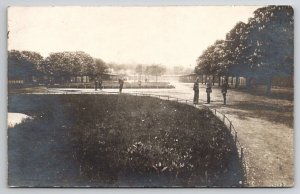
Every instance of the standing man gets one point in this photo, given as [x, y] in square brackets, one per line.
[208, 90]
[224, 91]
[96, 83]
[121, 82]
[196, 91]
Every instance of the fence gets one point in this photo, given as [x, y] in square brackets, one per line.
[227, 122]
[233, 132]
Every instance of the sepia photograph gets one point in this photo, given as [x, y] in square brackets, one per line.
[150, 96]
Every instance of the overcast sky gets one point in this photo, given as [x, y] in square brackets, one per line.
[162, 35]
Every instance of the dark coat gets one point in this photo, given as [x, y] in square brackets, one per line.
[224, 88]
[196, 86]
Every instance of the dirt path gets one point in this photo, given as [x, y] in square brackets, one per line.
[264, 126]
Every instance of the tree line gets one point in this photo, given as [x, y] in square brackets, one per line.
[153, 70]
[260, 49]
[61, 66]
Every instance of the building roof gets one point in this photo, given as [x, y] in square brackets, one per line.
[191, 74]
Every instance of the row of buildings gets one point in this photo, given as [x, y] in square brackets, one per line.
[277, 81]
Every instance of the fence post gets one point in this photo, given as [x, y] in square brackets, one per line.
[223, 118]
[235, 137]
[242, 154]
[206, 178]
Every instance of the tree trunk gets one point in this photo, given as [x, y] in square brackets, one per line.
[236, 81]
[202, 78]
[248, 82]
[231, 80]
[213, 80]
[205, 79]
[269, 86]
[219, 81]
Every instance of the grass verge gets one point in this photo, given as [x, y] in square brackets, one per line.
[118, 140]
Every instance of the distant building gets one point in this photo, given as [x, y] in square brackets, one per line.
[188, 77]
[87, 79]
[111, 76]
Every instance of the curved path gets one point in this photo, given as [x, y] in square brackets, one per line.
[264, 126]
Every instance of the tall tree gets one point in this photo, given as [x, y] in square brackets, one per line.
[139, 71]
[274, 50]
[59, 64]
[213, 60]
[67, 64]
[100, 67]
[24, 64]
[262, 48]
[155, 70]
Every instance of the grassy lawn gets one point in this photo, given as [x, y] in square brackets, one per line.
[37, 89]
[118, 140]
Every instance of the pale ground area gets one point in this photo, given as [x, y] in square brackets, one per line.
[16, 118]
[264, 126]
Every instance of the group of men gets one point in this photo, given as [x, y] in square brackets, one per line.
[209, 91]
[98, 84]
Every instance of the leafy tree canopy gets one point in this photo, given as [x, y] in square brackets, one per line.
[262, 47]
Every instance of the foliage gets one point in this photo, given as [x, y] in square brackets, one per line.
[212, 60]
[100, 67]
[27, 63]
[121, 140]
[70, 63]
[24, 63]
[155, 70]
[273, 45]
[181, 70]
[139, 69]
[261, 48]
